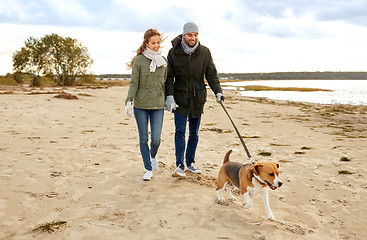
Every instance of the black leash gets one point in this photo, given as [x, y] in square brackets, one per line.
[238, 133]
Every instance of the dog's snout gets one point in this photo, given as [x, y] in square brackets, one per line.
[280, 184]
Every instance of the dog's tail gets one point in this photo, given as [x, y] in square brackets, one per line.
[226, 158]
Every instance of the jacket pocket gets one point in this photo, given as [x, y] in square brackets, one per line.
[181, 96]
[180, 68]
[200, 94]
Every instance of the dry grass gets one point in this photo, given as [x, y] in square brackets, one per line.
[7, 92]
[85, 95]
[112, 82]
[7, 81]
[48, 92]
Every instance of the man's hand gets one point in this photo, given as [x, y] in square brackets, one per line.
[219, 98]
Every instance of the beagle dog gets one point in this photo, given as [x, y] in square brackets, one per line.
[250, 179]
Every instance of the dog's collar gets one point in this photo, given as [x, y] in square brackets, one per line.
[257, 177]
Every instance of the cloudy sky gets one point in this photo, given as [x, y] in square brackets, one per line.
[243, 36]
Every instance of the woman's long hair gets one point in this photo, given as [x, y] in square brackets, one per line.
[147, 35]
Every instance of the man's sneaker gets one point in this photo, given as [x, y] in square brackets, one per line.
[178, 172]
[148, 175]
[193, 168]
[154, 164]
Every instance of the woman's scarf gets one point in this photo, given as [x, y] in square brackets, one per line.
[156, 57]
[187, 49]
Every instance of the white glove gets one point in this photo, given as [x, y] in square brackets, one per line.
[170, 103]
[128, 109]
[219, 98]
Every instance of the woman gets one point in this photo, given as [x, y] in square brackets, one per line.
[147, 92]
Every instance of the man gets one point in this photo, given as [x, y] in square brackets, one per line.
[188, 63]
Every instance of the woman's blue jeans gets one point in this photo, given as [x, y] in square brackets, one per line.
[192, 143]
[143, 117]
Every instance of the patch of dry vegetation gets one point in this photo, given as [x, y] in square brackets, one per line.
[110, 83]
[65, 95]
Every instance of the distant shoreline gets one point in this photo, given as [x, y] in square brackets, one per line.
[271, 76]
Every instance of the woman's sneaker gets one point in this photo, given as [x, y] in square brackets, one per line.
[154, 164]
[178, 172]
[148, 175]
[193, 168]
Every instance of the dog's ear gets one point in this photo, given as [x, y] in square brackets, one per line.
[256, 168]
[276, 165]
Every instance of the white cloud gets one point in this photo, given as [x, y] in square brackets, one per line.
[71, 9]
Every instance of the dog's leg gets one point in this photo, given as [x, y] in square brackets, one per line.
[265, 198]
[229, 191]
[248, 200]
[219, 192]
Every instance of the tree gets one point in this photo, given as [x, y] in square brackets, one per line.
[18, 77]
[64, 59]
[30, 60]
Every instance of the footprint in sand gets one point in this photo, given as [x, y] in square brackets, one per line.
[3, 205]
[112, 190]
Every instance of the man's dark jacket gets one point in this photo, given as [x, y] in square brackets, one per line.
[185, 78]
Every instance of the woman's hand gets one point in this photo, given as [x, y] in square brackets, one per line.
[128, 109]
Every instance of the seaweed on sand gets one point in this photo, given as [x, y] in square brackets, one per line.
[66, 96]
[50, 227]
[264, 153]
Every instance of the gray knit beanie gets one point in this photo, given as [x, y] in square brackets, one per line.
[190, 27]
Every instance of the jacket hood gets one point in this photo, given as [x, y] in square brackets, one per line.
[176, 41]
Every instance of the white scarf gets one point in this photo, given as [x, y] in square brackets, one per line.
[156, 57]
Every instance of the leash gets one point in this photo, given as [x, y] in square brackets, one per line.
[238, 133]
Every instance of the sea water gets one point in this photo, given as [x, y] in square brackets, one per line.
[352, 92]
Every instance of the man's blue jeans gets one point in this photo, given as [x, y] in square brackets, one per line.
[142, 117]
[192, 143]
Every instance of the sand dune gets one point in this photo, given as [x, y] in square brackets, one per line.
[77, 161]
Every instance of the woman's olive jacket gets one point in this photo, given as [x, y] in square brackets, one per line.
[185, 78]
[147, 89]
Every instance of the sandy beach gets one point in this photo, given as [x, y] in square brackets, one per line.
[77, 161]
